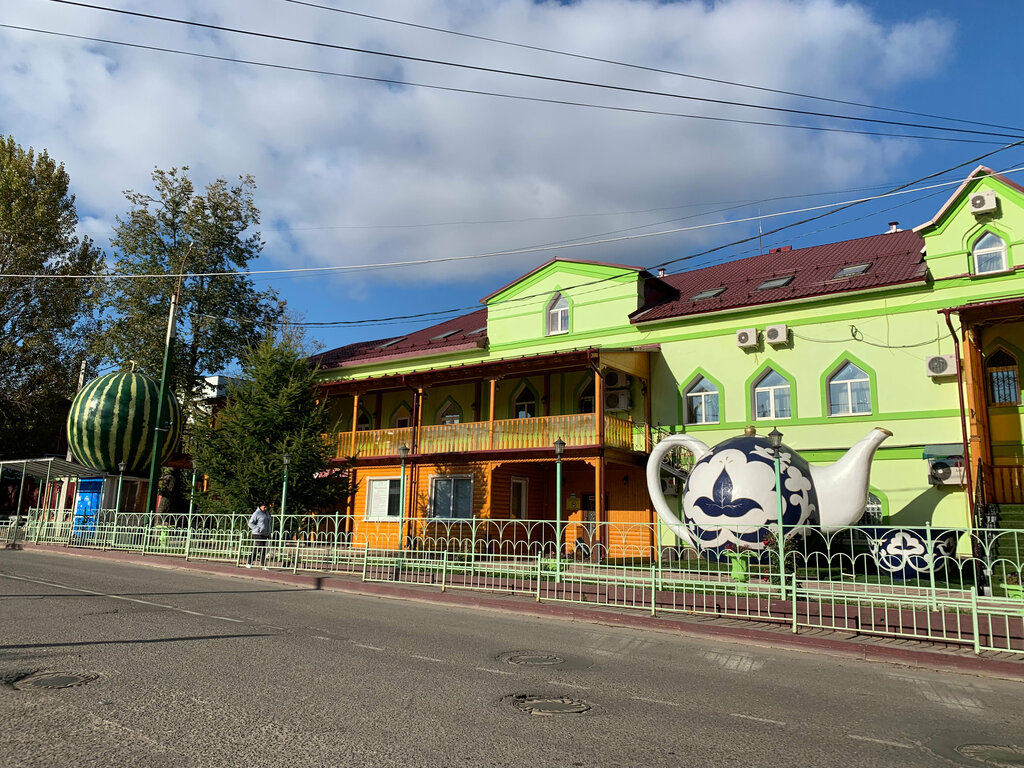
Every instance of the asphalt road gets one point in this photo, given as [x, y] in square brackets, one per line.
[202, 670]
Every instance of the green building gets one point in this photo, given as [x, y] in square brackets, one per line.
[920, 331]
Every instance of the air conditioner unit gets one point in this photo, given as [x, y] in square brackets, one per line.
[941, 365]
[617, 401]
[776, 334]
[746, 338]
[617, 380]
[946, 471]
[670, 486]
[983, 202]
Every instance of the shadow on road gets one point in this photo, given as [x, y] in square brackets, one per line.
[187, 639]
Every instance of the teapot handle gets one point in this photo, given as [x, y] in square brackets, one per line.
[668, 517]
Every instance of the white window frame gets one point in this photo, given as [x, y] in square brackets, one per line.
[434, 479]
[703, 396]
[771, 390]
[371, 482]
[524, 484]
[1000, 249]
[849, 391]
[557, 322]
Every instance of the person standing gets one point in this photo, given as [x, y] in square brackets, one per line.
[260, 524]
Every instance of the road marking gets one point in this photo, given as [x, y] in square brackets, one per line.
[320, 637]
[121, 597]
[569, 685]
[367, 647]
[655, 701]
[881, 741]
[494, 671]
[426, 658]
[758, 719]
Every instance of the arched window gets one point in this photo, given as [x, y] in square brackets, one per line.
[449, 414]
[585, 404]
[525, 404]
[771, 397]
[849, 391]
[363, 422]
[1003, 382]
[558, 315]
[402, 417]
[702, 403]
[989, 254]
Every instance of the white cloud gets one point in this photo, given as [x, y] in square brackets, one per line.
[330, 152]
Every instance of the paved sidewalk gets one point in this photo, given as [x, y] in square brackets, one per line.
[912, 653]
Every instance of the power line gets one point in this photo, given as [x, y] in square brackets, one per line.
[644, 68]
[904, 189]
[527, 75]
[497, 94]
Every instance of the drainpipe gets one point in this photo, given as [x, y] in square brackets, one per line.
[968, 463]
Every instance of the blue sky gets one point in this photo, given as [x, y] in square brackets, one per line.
[362, 173]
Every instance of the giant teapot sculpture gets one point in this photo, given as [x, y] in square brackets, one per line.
[730, 496]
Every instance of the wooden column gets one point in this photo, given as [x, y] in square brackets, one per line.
[547, 394]
[645, 391]
[490, 414]
[355, 422]
[599, 408]
[978, 431]
[478, 393]
[417, 414]
[378, 407]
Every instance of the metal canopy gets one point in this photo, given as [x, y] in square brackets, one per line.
[51, 467]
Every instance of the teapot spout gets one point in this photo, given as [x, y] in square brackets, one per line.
[842, 488]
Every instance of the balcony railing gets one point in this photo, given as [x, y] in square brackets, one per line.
[578, 430]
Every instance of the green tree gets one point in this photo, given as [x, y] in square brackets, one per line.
[272, 410]
[45, 320]
[178, 230]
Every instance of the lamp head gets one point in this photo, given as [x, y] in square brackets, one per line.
[122, 467]
[559, 447]
[286, 459]
[775, 439]
[403, 451]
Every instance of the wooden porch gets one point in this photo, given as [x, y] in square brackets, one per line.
[580, 430]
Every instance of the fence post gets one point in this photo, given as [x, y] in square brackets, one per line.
[792, 594]
[295, 562]
[366, 556]
[238, 551]
[188, 541]
[930, 549]
[974, 619]
[540, 559]
[444, 569]
[472, 554]
[654, 592]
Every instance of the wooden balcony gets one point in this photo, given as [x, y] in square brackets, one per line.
[577, 430]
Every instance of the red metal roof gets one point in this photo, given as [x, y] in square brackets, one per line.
[895, 258]
[449, 336]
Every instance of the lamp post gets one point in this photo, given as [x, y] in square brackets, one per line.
[286, 459]
[403, 452]
[559, 450]
[117, 502]
[775, 441]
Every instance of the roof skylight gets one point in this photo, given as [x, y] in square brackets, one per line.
[478, 330]
[445, 335]
[387, 344]
[775, 282]
[852, 270]
[709, 293]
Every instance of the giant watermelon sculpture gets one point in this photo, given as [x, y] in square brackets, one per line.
[112, 420]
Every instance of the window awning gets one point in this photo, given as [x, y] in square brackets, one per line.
[49, 467]
[943, 450]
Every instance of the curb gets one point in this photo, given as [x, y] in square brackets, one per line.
[682, 624]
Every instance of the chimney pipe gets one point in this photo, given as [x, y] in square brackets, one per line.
[661, 272]
[894, 226]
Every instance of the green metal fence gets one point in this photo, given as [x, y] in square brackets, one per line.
[950, 585]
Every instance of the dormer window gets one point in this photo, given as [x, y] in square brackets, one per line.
[558, 315]
[710, 293]
[851, 271]
[989, 254]
[775, 282]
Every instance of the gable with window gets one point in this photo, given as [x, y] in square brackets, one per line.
[524, 405]
[702, 402]
[451, 497]
[849, 391]
[988, 254]
[1003, 378]
[402, 417]
[450, 413]
[557, 315]
[772, 397]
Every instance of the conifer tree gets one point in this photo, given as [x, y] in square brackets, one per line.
[270, 411]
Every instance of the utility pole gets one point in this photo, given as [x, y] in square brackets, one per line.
[81, 383]
[158, 427]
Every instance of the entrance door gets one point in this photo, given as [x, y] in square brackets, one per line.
[518, 498]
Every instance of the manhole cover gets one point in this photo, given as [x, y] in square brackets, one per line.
[533, 659]
[1005, 756]
[549, 705]
[53, 680]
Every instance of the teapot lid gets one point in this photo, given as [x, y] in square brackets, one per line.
[749, 431]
